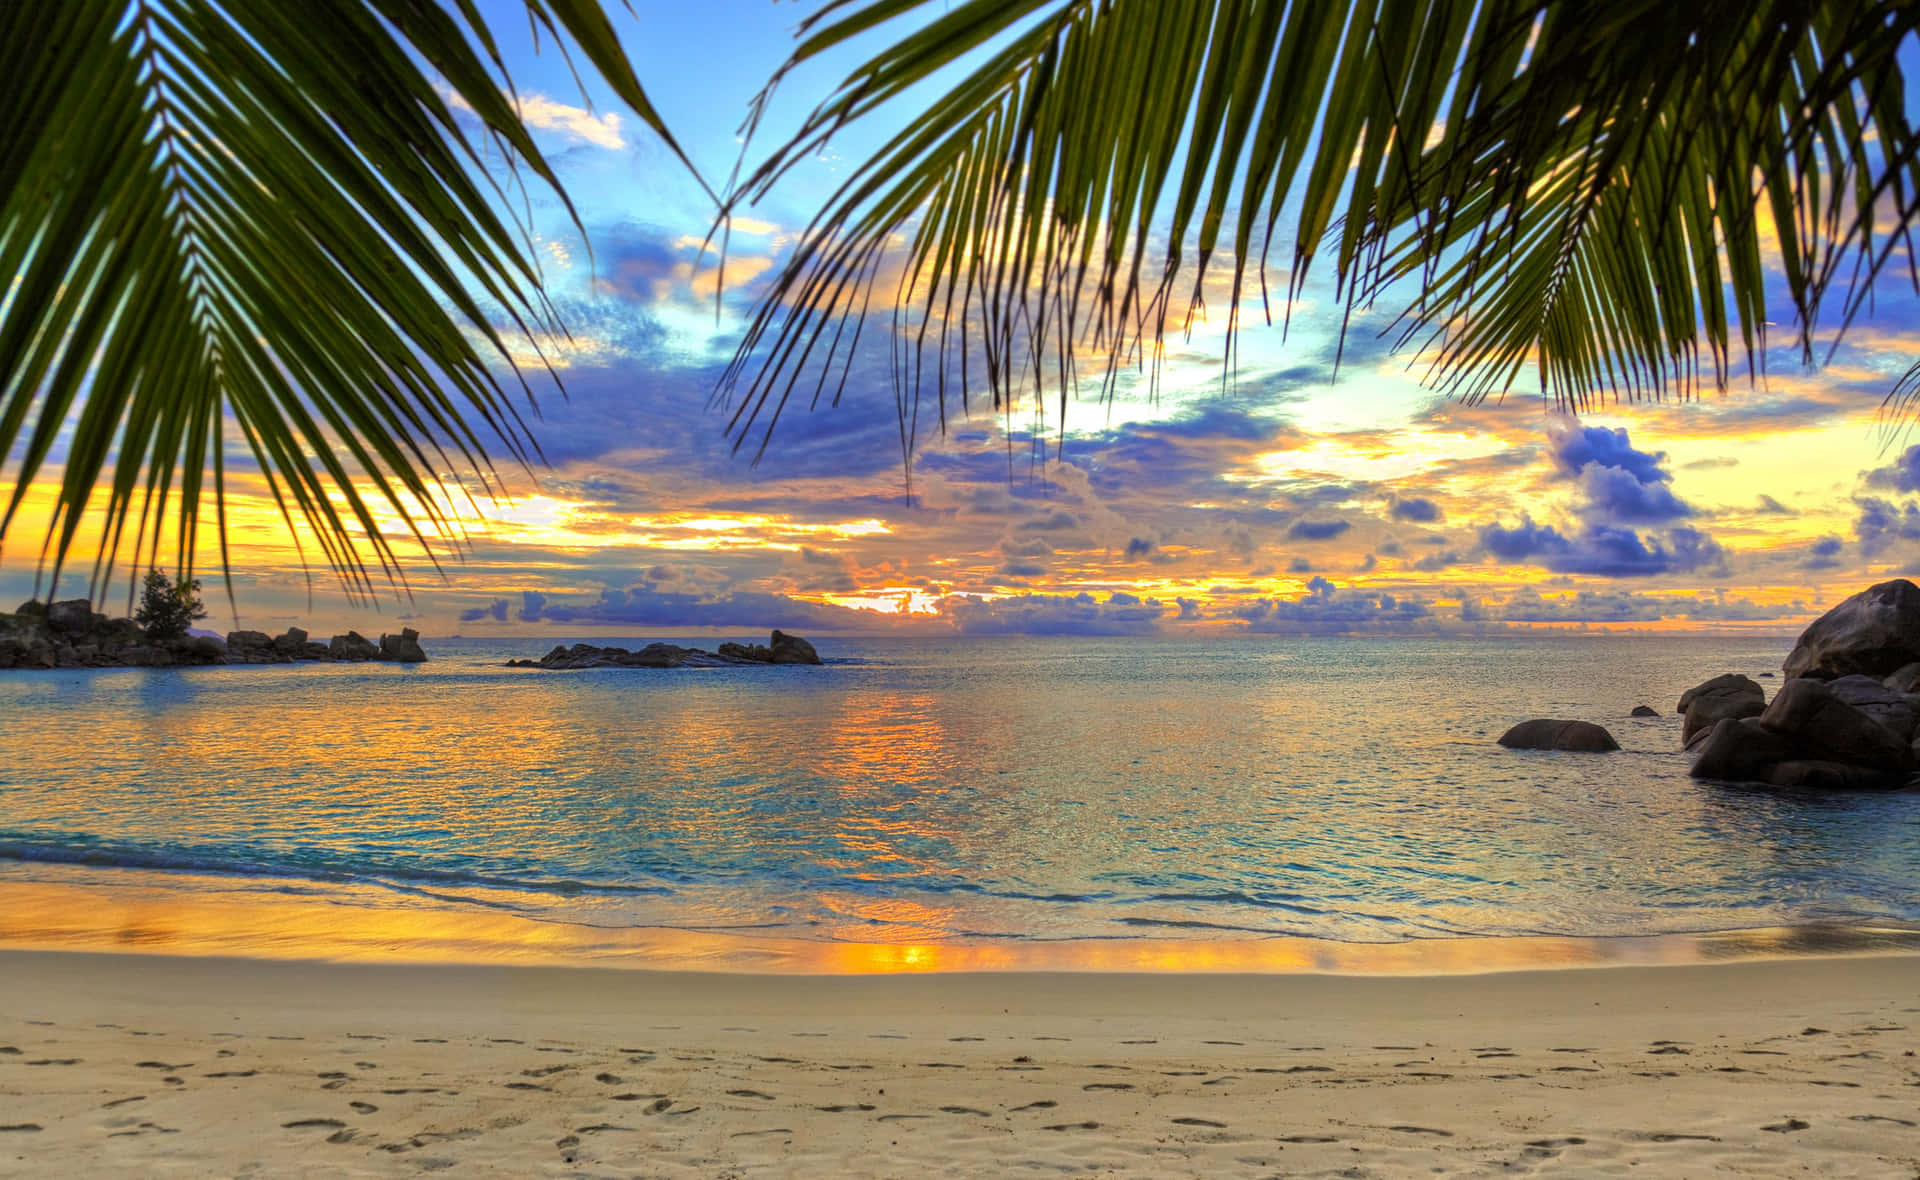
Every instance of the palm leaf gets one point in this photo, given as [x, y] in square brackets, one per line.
[263, 223]
[1571, 187]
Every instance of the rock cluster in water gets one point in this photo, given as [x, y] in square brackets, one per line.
[72, 634]
[1847, 716]
[780, 649]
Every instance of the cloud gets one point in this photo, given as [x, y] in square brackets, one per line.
[1575, 448]
[1772, 507]
[1602, 550]
[1327, 610]
[1823, 554]
[641, 606]
[495, 610]
[1055, 614]
[1882, 524]
[537, 110]
[1693, 549]
[1415, 509]
[1317, 530]
[1616, 494]
[1139, 547]
[1902, 475]
[1620, 483]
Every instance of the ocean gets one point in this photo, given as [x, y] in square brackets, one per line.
[1261, 803]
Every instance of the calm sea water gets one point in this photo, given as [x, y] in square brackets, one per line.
[944, 792]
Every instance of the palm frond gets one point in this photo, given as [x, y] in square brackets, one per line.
[1584, 189]
[263, 222]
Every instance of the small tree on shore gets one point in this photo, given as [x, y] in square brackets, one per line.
[167, 610]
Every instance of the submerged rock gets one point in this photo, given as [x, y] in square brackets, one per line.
[404, 647]
[1548, 734]
[1644, 711]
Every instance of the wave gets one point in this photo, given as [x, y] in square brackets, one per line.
[226, 862]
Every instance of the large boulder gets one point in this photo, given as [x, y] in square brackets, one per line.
[404, 647]
[1729, 696]
[1891, 709]
[72, 617]
[1905, 678]
[1740, 750]
[291, 643]
[1548, 734]
[1809, 715]
[351, 646]
[791, 649]
[1874, 633]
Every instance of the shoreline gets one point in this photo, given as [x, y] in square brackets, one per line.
[178, 915]
[185, 1065]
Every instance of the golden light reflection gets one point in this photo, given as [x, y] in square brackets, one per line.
[188, 918]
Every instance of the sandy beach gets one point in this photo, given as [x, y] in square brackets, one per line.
[181, 1066]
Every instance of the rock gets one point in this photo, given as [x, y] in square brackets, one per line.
[72, 617]
[791, 649]
[351, 646]
[1731, 695]
[1825, 727]
[1905, 678]
[1891, 709]
[1816, 775]
[404, 647]
[787, 649]
[1874, 633]
[1644, 711]
[1547, 734]
[291, 643]
[1740, 750]
[32, 608]
[200, 649]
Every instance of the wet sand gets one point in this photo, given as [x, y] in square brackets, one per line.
[181, 1066]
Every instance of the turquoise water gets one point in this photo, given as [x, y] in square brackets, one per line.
[980, 791]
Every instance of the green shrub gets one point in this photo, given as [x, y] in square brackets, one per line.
[167, 610]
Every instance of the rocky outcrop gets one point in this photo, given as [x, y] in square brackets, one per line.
[1849, 734]
[1875, 633]
[404, 647]
[72, 634]
[1547, 734]
[783, 649]
[1724, 697]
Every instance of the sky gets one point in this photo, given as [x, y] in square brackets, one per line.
[1291, 500]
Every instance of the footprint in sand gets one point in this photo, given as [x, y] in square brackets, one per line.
[1193, 1122]
[1677, 1137]
[548, 1072]
[1879, 1118]
[234, 1073]
[1411, 1130]
[963, 1110]
[750, 1094]
[298, 1124]
[1086, 1126]
[1043, 1104]
[1107, 1086]
[1308, 1139]
[845, 1107]
[364, 1107]
[6, 1127]
[636, 1097]
[68, 1061]
[122, 1101]
[1791, 1124]
[609, 1079]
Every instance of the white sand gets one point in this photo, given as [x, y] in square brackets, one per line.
[163, 1066]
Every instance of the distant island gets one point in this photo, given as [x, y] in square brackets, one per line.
[72, 634]
[780, 648]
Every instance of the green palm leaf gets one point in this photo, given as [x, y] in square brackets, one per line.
[1572, 187]
[266, 220]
